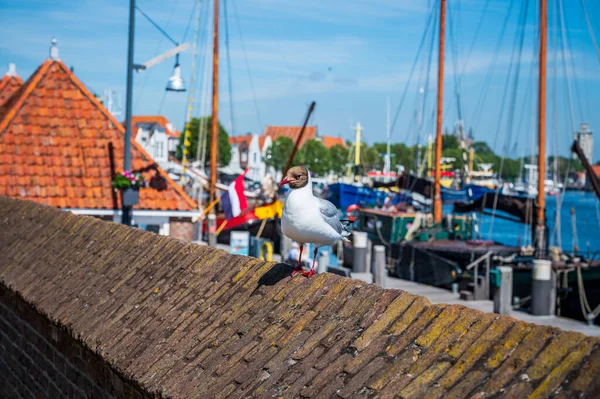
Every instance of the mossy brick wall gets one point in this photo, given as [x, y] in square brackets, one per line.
[39, 359]
[186, 321]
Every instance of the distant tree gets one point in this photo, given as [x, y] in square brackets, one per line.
[455, 153]
[449, 141]
[482, 148]
[338, 157]
[279, 152]
[370, 158]
[564, 165]
[223, 146]
[315, 157]
[404, 155]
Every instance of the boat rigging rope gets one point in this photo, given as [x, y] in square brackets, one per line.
[187, 135]
[590, 30]
[574, 238]
[518, 49]
[235, 13]
[475, 36]
[556, 229]
[383, 241]
[457, 74]
[203, 102]
[586, 309]
[562, 47]
[598, 212]
[430, 18]
[140, 91]
[229, 78]
[491, 68]
[185, 33]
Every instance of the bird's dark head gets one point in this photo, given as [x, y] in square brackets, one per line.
[296, 177]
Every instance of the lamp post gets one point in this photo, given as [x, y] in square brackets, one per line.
[126, 216]
[175, 83]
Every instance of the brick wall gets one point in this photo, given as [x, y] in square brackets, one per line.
[182, 229]
[39, 359]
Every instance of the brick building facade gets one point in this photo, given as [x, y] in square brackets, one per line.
[41, 359]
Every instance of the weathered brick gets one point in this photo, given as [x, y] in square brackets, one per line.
[191, 321]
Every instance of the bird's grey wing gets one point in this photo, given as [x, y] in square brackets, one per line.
[330, 215]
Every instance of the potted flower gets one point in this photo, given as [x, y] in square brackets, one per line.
[129, 183]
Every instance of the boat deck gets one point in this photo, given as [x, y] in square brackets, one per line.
[439, 295]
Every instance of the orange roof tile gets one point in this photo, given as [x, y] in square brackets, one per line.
[9, 85]
[291, 132]
[237, 140]
[596, 169]
[261, 142]
[156, 119]
[330, 141]
[54, 148]
[247, 138]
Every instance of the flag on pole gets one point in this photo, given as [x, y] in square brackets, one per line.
[234, 200]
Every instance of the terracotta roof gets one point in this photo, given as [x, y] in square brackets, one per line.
[193, 321]
[291, 132]
[54, 148]
[153, 119]
[247, 138]
[261, 142]
[330, 141]
[8, 85]
[237, 140]
[596, 169]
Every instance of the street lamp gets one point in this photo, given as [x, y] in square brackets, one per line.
[175, 83]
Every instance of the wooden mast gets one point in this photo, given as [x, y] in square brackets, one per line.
[437, 201]
[541, 197]
[214, 131]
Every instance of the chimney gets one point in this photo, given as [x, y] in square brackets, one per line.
[12, 69]
[54, 50]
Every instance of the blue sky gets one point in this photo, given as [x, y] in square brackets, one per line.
[348, 56]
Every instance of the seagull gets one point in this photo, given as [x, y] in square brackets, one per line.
[309, 219]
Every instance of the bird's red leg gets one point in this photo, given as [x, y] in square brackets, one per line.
[312, 269]
[298, 267]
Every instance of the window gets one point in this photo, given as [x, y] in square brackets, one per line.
[255, 157]
[158, 149]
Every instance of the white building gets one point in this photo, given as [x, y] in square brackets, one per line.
[249, 151]
[157, 136]
[585, 138]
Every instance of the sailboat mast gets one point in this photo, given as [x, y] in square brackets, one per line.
[541, 197]
[388, 161]
[214, 131]
[437, 201]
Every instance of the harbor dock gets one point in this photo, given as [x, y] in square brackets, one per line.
[439, 295]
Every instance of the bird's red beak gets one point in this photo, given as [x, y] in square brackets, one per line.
[284, 181]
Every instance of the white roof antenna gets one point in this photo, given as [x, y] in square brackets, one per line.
[54, 50]
[12, 69]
